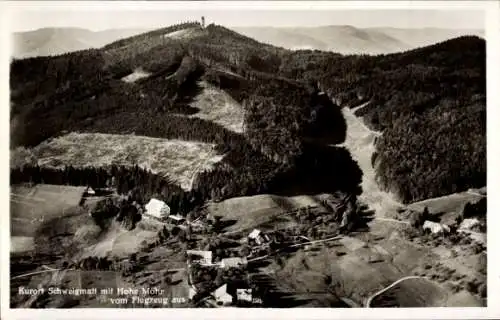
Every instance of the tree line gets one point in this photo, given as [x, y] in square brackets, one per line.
[141, 185]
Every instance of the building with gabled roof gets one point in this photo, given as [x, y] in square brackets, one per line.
[435, 227]
[157, 209]
[258, 237]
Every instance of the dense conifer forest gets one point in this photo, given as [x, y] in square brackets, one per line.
[428, 102]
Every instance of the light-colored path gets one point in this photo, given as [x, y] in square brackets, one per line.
[360, 141]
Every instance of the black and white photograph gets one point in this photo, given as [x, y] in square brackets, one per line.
[247, 157]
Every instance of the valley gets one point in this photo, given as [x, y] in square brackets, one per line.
[226, 172]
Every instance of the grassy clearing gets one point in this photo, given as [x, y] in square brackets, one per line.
[217, 106]
[179, 159]
[136, 75]
[21, 244]
[184, 33]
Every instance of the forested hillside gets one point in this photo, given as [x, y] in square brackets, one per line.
[429, 102]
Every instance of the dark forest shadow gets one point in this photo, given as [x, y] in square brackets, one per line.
[186, 93]
[328, 125]
[321, 169]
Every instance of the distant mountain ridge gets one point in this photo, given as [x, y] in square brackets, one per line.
[54, 41]
[341, 39]
[352, 40]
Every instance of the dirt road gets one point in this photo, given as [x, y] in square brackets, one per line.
[395, 283]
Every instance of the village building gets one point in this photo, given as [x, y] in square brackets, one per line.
[244, 295]
[222, 298]
[199, 256]
[435, 227]
[192, 293]
[469, 224]
[257, 237]
[233, 262]
[176, 219]
[89, 192]
[157, 209]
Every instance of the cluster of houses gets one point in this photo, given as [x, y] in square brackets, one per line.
[160, 211]
[221, 296]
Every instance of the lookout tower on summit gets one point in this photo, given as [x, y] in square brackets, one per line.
[202, 21]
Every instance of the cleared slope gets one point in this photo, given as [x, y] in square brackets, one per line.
[177, 158]
[217, 106]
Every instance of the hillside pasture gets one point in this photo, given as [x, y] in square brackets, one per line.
[178, 159]
[31, 206]
[254, 211]
[411, 293]
[119, 242]
[378, 264]
[447, 207]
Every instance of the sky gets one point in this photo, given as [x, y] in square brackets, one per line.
[99, 19]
